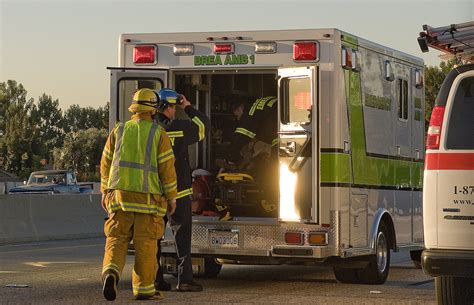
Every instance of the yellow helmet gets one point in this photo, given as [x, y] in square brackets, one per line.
[144, 100]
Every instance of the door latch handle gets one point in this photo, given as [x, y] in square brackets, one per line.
[290, 147]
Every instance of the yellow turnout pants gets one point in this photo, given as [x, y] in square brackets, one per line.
[145, 230]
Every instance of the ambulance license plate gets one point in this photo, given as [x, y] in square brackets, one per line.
[224, 239]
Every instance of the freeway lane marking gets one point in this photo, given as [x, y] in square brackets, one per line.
[52, 248]
[46, 264]
[5, 271]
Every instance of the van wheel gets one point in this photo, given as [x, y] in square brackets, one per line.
[452, 290]
[416, 258]
[211, 268]
[376, 271]
[346, 275]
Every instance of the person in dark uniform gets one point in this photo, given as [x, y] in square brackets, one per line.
[182, 133]
[259, 123]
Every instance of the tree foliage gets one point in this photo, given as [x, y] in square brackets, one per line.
[434, 77]
[81, 151]
[48, 118]
[33, 132]
[17, 129]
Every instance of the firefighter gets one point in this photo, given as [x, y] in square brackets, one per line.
[182, 132]
[138, 181]
[258, 123]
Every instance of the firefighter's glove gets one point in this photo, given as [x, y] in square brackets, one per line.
[171, 206]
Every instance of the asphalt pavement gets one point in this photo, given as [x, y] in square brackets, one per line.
[68, 272]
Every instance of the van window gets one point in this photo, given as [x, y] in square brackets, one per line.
[296, 93]
[460, 131]
[402, 99]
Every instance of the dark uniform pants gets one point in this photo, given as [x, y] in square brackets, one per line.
[181, 223]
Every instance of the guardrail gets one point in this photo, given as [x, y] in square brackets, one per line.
[26, 218]
[6, 186]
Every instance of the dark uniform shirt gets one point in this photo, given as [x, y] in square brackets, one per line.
[183, 133]
[259, 122]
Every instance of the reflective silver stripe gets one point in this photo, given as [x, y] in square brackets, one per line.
[271, 102]
[165, 156]
[147, 165]
[201, 127]
[184, 193]
[173, 134]
[245, 132]
[136, 165]
[116, 160]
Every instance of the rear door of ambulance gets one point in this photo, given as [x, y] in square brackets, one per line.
[137, 70]
[124, 82]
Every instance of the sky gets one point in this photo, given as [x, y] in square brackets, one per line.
[62, 48]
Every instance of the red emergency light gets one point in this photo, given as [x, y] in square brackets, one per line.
[224, 48]
[144, 54]
[305, 51]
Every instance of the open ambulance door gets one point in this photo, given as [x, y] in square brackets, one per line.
[297, 142]
[123, 84]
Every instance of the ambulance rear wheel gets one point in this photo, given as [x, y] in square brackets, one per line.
[211, 268]
[376, 272]
[346, 275]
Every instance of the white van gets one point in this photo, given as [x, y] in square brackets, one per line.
[448, 197]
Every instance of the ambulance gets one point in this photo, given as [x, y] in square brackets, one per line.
[448, 198]
[350, 138]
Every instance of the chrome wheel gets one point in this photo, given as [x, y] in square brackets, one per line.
[382, 252]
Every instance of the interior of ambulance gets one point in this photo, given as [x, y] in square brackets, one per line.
[225, 194]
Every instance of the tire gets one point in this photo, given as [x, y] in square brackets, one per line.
[346, 275]
[416, 258]
[211, 268]
[452, 290]
[376, 272]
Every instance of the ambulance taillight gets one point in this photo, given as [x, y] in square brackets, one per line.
[305, 51]
[434, 130]
[144, 54]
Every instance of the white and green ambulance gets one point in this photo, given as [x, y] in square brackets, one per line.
[351, 141]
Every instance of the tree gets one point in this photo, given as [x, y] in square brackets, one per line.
[47, 117]
[17, 129]
[81, 151]
[434, 77]
[77, 118]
